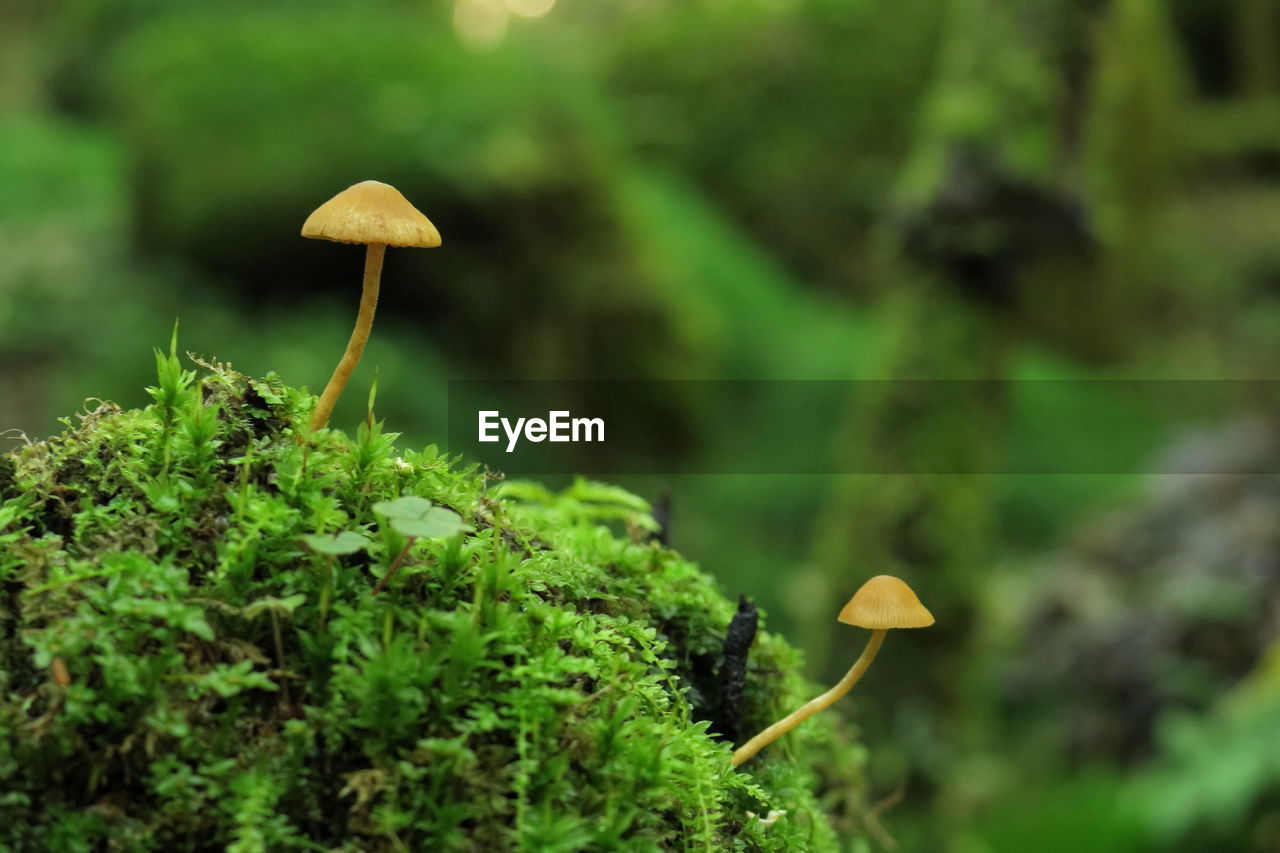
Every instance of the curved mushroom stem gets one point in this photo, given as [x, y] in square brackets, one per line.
[813, 706]
[360, 336]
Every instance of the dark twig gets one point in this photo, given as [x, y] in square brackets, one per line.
[732, 675]
[662, 515]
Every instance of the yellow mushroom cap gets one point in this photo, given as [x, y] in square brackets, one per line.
[371, 212]
[885, 602]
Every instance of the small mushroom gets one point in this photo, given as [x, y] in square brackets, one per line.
[377, 215]
[881, 603]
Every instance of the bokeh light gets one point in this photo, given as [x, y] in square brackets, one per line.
[481, 24]
[530, 8]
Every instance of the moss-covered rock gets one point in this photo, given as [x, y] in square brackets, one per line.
[185, 664]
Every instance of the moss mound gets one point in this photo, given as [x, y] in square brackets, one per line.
[191, 659]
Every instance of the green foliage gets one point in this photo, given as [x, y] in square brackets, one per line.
[1083, 810]
[1217, 769]
[201, 575]
[59, 209]
[783, 74]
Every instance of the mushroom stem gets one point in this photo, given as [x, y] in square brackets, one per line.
[359, 336]
[813, 706]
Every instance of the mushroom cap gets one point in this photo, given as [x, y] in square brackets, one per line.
[371, 212]
[885, 602]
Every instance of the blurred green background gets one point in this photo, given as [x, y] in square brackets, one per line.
[1017, 190]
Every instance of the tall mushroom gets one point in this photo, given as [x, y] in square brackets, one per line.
[881, 603]
[377, 215]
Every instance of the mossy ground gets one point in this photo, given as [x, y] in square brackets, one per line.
[183, 668]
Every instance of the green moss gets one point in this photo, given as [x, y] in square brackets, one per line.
[540, 682]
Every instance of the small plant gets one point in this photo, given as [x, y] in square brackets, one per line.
[881, 603]
[332, 545]
[415, 518]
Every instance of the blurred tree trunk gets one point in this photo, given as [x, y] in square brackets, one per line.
[981, 215]
[973, 212]
[1134, 148]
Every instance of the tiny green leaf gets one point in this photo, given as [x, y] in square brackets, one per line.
[283, 606]
[436, 523]
[408, 506]
[336, 544]
[195, 623]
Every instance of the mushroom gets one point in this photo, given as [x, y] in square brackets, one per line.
[377, 215]
[881, 603]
